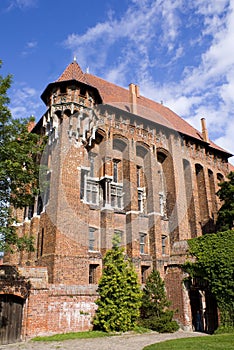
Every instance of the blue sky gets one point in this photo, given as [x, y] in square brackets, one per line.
[179, 52]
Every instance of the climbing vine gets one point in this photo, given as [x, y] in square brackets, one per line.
[214, 263]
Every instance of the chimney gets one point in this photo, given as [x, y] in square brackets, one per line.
[133, 94]
[204, 130]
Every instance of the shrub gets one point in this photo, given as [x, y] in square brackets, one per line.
[155, 314]
[119, 294]
[163, 324]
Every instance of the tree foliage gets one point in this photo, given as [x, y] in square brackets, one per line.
[19, 169]
[119, 294]
[215, 264]
[154, 310]
[226, 212]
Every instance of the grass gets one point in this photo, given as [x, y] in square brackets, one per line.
[85, 335]
[73, 335]
[213, 342]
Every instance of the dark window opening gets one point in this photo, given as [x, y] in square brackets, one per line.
[30, 211]
[144, 273]
[42, 242]
[82, 91]
[82, 184]
[164, 238]
[39, 205]
[139, 169]
[63, 89]
[93, 273]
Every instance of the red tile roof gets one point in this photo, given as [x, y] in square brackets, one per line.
[72, 72]
[115, 95]
[230, 167]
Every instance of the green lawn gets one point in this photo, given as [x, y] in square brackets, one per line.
[213, 342]
[72, 335]
[85, 335]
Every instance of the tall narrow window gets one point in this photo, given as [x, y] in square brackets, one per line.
[164, 238]
[144, 273]
[92, 192]
[42, 242]
[116, 196]
[139, 169]
[162, 203]
[93, 273]
[31, 211]
[142, 243]
[140, 200]
[93, 239]
[115, 171]
[82, 184]
[91, 161]
[39, 205]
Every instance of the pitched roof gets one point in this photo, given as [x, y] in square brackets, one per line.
[148, 109]
[72, 72]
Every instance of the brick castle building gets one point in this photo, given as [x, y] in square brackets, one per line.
[116, 163]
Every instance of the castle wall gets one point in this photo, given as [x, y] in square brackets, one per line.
[109, 173]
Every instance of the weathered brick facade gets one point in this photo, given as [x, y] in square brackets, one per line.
[115, 163]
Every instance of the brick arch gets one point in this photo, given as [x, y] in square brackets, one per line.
[162, 154]
[213, 196]
[220, 177]
[168, 179]
[189, 198]
[58, 113]
[67, 112]
[101, 132]
[120, 142]
[202, 195]
[143, 144]
[142, 149]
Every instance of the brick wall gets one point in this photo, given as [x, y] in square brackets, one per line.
[59, 309]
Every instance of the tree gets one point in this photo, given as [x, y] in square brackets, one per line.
[226, 212]
[154, 310]
[19, 169]
[119, 294]
[214, 263]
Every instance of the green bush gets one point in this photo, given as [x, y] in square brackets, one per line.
[224, 330]
[155, 314]
[119, 294]
[162, 324]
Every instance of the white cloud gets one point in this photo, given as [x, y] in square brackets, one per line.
[189, 45]
[24, 101]
[31, 44]
[22, 4]
[136, 32]
[29, 48]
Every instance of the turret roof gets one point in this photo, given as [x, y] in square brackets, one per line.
[72, 72]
